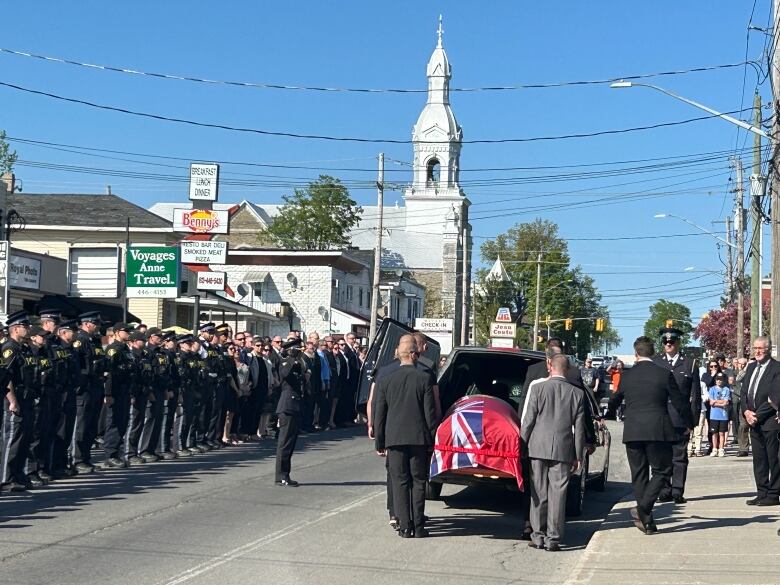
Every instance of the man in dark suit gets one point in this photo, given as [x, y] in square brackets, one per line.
[686, 374]
[648, 432]
[760, 378]
[404, 423]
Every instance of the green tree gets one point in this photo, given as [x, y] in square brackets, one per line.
[566, 292]
[316, 218]
[7, 156]
[491, 294]
[662, 311]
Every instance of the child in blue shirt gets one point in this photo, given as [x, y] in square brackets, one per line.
[719, 399]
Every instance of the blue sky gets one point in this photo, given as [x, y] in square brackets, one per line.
[360, 44]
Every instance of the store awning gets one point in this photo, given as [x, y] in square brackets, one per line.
[214, 302]
[72, 307]
[254, 276]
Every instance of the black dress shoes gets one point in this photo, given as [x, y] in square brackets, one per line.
[421, 533]
[663, 499]
[768, 502]
[637, 520]
[754, 501]
[408, 533]
[679, 500]
[287, 483]
[742, 454]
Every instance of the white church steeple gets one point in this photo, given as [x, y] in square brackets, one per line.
[437, 135]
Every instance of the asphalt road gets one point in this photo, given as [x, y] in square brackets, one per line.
[218, 518]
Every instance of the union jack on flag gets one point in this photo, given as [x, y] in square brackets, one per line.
[479, 432]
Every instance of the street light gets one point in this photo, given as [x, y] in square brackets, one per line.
[740, 123]
[697, 226]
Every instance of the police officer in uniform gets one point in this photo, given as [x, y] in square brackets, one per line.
[686, 374]
[140, 389]
[213, 362]
[171, 402]
[49, 321]
[67, 379]
[289, 411]
[217, 421]
[39, 374]
[89, 395]
[17, 406]
[160, 368]
[192, 381]
[119, 369]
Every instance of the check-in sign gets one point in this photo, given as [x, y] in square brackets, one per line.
[211, 280]
[503, 330]
[203, 252]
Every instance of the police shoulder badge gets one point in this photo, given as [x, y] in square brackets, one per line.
[77, 343]
[8, 353]
[112, 352]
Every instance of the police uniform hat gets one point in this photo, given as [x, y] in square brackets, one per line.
[122, 327]
[168, 336]
[90, 317]
[18, 318]
[207, 327]
[137, 336]
[153, 331]
[71, 324]
[38, 330]
[223, 329]
[53, 314]
[670, 334]
[185, 338]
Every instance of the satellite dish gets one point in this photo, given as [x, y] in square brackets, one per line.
[292, 280]
[243, 290]
[322, 310]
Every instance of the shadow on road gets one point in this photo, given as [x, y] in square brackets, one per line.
[71, 495]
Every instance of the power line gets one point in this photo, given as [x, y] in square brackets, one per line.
[262, 132]
[256, 85]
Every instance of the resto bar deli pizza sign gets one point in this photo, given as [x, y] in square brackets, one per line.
[203, 252]
[201, 221]
[152, 272]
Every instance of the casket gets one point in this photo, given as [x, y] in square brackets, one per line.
[479, 438]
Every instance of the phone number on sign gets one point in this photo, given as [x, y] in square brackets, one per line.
[151, 292]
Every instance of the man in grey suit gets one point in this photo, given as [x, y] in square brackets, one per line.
[553, 432]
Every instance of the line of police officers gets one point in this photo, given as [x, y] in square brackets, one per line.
[150, 396]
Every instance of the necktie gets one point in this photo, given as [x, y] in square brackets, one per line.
[752, 389]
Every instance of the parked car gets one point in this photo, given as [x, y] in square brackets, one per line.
[501, 372]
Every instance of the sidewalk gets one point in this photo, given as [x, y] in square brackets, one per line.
[714, 538]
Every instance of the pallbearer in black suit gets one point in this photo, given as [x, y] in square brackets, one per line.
[761, 378]
[686, 374]
[648, 432]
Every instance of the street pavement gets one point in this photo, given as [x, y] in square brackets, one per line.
[218, 518]
[714, 538]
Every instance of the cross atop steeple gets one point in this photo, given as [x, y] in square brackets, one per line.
[439, 32]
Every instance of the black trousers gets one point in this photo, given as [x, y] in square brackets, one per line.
[136, 425]
[168, 416]
[153, 421]
[204, 412]
[390, 503]
[766, 464]
[117, 417]
[185, 419]
[676, 486]
[409, 472]
[644, 456]
[83, 436]
[63, 433]
[41, 423]
[16, 436]
[285, 444]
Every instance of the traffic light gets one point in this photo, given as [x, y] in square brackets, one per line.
[669, 323]
[599, 324]
[539, 339]
[569, 323]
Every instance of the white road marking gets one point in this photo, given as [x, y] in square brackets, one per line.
[249, 547]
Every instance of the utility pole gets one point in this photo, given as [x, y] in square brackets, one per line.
[729, 262]
[380, 196]
[774, 67]
[539, 297]
[756, 190]
[466, 275]
[739, 227]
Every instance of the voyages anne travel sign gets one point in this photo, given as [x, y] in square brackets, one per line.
[153, 271]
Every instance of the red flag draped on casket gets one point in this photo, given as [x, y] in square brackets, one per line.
[479, 432]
